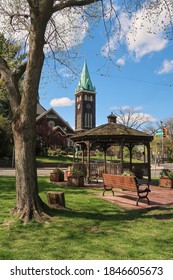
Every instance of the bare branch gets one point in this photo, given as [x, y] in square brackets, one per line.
[72, 3]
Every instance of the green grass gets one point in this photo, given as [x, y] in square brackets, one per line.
[55, 159]
[69, 160]
[90, 229]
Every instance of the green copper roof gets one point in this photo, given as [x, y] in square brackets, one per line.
[85, 80]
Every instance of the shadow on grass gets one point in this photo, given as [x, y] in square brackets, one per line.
[117, 216]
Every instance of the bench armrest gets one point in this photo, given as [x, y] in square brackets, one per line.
[145, 186]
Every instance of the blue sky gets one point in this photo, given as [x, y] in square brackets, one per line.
[143, 81]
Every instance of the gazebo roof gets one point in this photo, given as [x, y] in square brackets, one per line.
[111, 133]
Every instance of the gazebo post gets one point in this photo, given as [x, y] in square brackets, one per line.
[148, 161]
[83, 157]
[104, 153]
[88, 160]
[130, 151]
[74, 152]
[121, 151]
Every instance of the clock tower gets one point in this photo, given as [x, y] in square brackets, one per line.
[85, 100]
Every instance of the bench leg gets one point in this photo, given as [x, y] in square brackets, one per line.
[140, 197]
[137, 201]
[108, 190]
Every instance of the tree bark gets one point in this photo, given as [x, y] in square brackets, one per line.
[28, 203]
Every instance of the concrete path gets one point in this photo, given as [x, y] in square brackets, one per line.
[11, 171]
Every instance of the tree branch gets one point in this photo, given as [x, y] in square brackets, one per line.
[20, 71]
[11, 84]
[72, 3]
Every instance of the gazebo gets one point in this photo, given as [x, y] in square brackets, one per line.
[110, 134]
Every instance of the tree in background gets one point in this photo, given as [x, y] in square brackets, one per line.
[49, 28]
[130, 117]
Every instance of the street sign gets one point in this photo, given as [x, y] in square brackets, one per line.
[159, 133]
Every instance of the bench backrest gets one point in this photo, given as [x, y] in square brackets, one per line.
[119, 182]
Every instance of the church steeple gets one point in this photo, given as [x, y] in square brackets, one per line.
[85, 80]
[85, 100]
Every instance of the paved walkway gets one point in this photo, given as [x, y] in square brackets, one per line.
[159, 197]
[11, 171]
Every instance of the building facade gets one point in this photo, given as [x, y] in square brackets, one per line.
[52, 130]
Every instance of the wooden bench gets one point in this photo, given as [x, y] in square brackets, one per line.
[126, 183]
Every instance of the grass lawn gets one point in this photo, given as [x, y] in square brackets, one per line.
[69, 160]
[90, 229]
[55, 159]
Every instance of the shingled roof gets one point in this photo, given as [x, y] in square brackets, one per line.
[113, 132]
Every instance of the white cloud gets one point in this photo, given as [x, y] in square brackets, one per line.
[127, 108]
[121, 61]
[166, 67]
[61, 102]
[143, 33]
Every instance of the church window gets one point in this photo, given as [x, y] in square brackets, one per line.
[78, 121]
[51, 124]
[88, 119]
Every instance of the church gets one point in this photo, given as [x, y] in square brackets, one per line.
[85, 112]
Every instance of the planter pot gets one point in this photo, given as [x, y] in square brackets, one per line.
[75, 182]
[166, 182]
[66, 174]
[55, 177]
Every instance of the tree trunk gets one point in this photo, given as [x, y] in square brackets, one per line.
[28, 203]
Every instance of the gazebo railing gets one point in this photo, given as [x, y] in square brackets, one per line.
[97, 169]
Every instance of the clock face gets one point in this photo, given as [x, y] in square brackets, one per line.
[88, 106]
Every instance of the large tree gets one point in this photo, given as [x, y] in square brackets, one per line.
[31, 18]
[41, 25]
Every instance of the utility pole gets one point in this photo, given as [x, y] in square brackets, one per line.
[162, 140]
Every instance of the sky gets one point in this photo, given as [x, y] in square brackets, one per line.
[139, 76]
[143, 80]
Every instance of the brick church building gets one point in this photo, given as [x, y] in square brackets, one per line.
[85, 114]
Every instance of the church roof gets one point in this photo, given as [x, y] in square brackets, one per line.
[40, 109]
[52, 114]
[85, 80]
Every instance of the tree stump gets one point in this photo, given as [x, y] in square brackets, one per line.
[56, 198]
